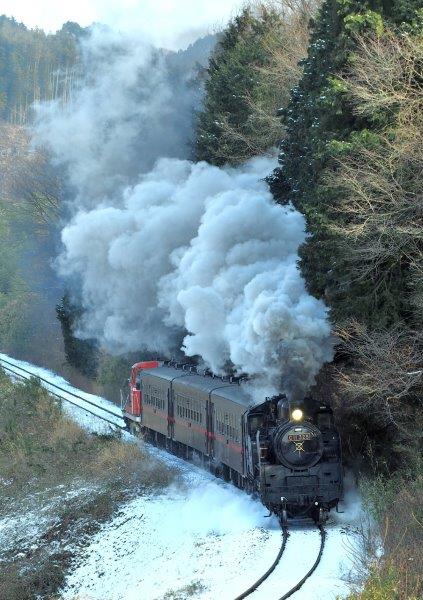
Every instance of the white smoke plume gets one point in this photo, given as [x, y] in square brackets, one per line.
[132, 105]
[181, 254]
[204, 250]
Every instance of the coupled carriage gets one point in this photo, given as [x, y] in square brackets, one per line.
[288, 453]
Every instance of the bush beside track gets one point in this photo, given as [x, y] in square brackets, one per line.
[397, 507]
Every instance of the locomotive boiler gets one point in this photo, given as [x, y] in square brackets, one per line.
[286, 452]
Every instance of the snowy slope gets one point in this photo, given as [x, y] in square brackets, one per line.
[208, 532]
[205, 532]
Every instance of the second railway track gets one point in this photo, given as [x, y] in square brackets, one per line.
[112, 417]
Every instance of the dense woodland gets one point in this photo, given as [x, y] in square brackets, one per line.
[35, 66]
[350, 135]
[251, 72]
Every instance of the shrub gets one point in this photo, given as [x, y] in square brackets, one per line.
[43, 456]
[397, 506]
[38, 441]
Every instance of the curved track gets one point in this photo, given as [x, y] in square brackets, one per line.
[255, 585]
[313, 568]
[296, 587]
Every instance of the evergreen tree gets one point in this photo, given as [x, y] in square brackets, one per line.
[249, 78]
[322, 125]
[35, 66]
[81, 354]
[351, 162]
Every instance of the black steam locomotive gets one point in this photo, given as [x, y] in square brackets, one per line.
[287, 452]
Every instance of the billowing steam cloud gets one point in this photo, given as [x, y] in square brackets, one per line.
[183, 254]
[204, 250]
[133, 105]
[237, 290]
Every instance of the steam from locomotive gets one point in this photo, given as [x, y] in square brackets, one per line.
[179, 255]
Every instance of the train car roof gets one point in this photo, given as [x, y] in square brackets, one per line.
[221, 387]
[235, 393]
[168, 373]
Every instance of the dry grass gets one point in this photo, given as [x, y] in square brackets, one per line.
[188, 591]
[44, 455]
[40, 446]
[387, 582]
[397, 505]
[38, 583]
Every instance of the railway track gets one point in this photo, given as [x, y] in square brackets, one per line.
[88, 406]
[101, 412]
[298, 585]
[263, 578]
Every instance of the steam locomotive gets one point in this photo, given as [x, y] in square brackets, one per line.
[287, 452]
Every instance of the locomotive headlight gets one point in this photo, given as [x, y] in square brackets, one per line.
[297, 414]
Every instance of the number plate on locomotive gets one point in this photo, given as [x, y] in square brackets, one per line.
[299, 437]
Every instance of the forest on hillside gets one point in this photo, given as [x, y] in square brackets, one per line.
[35, 66]
[41, 68]
[335, 89]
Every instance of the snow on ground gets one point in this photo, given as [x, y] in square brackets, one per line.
[29, 517]
[203, 532]
[207, 532]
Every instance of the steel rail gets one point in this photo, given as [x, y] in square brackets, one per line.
[285, 533]
[313, 568]
[67, 399]
[263, 578]
[296, 587]
[106, 410]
